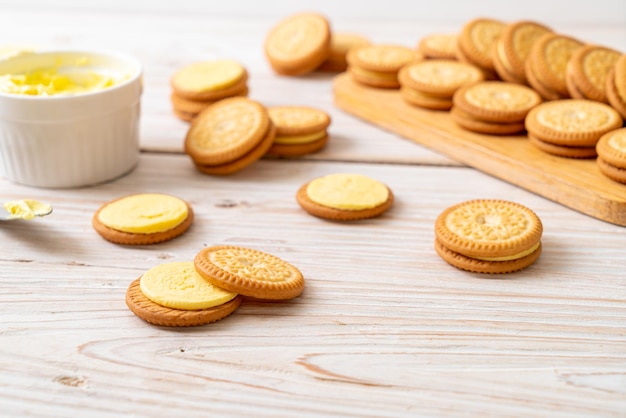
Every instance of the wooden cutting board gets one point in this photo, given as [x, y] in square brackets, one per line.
[577, 184]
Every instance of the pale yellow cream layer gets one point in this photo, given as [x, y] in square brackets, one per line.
[177, 285]
[511, 257]
[26, 209]
[347, 191]
[299, 139]
[144, 213]
[54, 81]
[208, 76]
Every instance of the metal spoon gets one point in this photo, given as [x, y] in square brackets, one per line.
[24, 209]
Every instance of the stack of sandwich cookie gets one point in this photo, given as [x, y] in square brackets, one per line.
[438, 46]
[546, 65]
[611, 159]
[143, 219]
[378, 65]
[298, 44]
[616, 86]
[587, 71]
[344, 197]
[197, 86]
[488, 236]
[512, 48]
[340, 45]
[493, 107]
[570, 128]
[229, 136]
[475, 44]
[300, 130]
[432, 83]
[176, 295]
[249, 272]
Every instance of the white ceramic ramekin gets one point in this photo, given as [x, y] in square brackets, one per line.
[65, 141]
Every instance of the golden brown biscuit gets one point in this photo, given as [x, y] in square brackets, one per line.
[611, 148]
[616, 86]
[298, 44]
[488, 236]
[475, 42]
[588, 68]
[562, 150]
[424, 100]
[226, 131]
[340, 44]
[470, 123]
[378, 65]
[440, 78]
[617, 174]
[249, 272]
[438, 46]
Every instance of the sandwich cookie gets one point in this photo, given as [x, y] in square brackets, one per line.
[378, 65]
[611, 150]
[438, 46]
[300, 130]
[488, 236]
[475, 43]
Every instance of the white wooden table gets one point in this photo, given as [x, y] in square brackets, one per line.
[384, 327]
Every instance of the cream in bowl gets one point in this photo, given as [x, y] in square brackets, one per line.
[69, 118]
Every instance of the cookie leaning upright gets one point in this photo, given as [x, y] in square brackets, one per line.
[229, 136]
[142, 219]
[196, 86]
[378, 65]
[611, 148]
[616, 86]
[345, 197]
[587, 71]
[300, 130]
[249, 272]
[475, 43]
[488, 236]
[298, 44]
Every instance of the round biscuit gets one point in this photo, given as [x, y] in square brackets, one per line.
[615, 100]
[476, 41]
[298, 44]
[196, 106]
[439, 77]
[588, 67]
[419, 99]
[611, 147]
[475, 265]
[382, 58]
[216, 86]
[374, 79]
[488, 228]
[550, 54]
[544, 91]
[249, 272]
[609, 170]
[438, 46]
[572, 122]
[156, 314]
[298, 120]
[226, 131]
[128, 238]
[296, 150]
[496, 101]
[620, 77]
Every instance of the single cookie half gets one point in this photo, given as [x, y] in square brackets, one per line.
[226, 131]
[611, 147]
[493, 231]
[572, 122]
[209, 80]
[496, 101]
[476, 40]
[156, 314]
[438, 46]
[249, 272]
[142, 219]
[439, 77]
[344, 197]
[298, 44]
[513, 47]
[588, 68]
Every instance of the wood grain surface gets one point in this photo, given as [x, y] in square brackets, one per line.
[384, 328]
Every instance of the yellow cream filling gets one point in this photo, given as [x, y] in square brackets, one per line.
[26, 209]
[511, 257]
[347, 191]
[144, 213]
[208, 76]
[299, 139]
[55, 80]
[178, 285]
